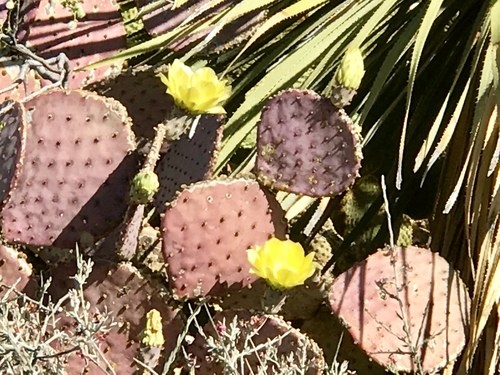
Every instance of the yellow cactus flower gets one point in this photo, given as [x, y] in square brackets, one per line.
[351, 69]
[153, 334]
[198, 91]
[282, 263]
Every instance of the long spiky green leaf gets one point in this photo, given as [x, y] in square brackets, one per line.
[420, 39]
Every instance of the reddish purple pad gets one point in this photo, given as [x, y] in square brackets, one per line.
[305, 145]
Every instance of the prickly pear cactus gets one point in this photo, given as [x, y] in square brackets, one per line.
[261, 328]
[403, 300]
[306, 146]
[405, 235]
[207, 230]
[126, 246]
[99, 34]
[301, 301]
[124, 292]
[139, 91]
[12, 130]
[189, 159]
[75, 169]
[357, 201]
[348, 78]
[354, 205]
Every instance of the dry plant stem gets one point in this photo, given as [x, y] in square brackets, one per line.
[414, 350]
[54, 69]
[81, 280]
[51, 69]
[149, 250]
[20, 78]
[180, 339]
[28, 329]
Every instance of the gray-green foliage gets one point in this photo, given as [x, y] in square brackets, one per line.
[29, 331]
[232, 347]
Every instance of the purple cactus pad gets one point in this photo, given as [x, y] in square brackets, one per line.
[75, 173]
[188, 160]
[12, 134]
[207, 230]
[100, 34]
[368, 299]
[306, 146]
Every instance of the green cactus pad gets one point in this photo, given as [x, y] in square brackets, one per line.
[306, 146]
[436, 306]
[265, 327]
[77, 163]
[144, 186]
[207, 230]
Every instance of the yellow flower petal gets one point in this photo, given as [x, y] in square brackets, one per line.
[153, 334]
[282, 263]
[198, 91]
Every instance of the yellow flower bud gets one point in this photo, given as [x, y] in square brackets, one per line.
[282, 263]
[198, 91]
[153, 334]
[351, 69]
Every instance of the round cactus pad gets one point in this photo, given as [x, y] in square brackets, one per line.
[75, 173]
[305, 145]
[207, 230]
[263, 328]
[376, 297]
